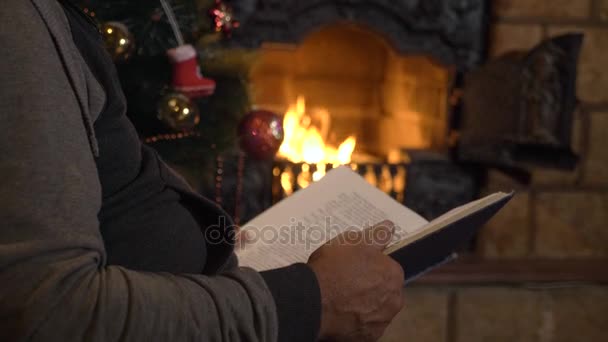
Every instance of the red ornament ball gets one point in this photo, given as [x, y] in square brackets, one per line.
[261, 134]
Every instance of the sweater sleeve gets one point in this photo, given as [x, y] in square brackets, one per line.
[56, 285]
[299, 311]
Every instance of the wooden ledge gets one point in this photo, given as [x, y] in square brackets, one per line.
[471, 270]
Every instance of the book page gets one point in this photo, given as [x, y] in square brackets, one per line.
[290, 231]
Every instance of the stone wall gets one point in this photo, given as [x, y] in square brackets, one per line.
[561, 215]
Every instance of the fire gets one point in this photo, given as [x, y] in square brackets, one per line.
[305, 143]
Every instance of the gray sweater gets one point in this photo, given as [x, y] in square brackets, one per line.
[56, 284]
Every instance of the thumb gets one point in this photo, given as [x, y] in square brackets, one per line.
[379, 235]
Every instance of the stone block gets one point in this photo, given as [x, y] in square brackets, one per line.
[542, 8]
[424, 318]
[592, 71]
[509, 37]
[555, 177]
[507, 235]
[602, 9]
[574, 314]
[539, 315]
[596, 163]
[497, 315]
[571, 224]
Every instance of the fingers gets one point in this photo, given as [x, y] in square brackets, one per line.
[374, 298]
[398, 272]
[377, 236]
[393, 304]
[399, 302]
[392, 300]
[380, 235]
[375, 330]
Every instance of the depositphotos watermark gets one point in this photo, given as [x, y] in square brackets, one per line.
[311, 235]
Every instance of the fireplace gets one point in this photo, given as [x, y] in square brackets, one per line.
[382, 71]
[406, 87]
[356, 84]
[377, 73]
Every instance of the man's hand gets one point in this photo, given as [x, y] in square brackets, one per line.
[361, 288]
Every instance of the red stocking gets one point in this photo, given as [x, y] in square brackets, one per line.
[187, 77]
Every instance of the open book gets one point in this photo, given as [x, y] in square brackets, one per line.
[291, 230]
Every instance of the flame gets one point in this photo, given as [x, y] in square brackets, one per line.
[346, 149]
[305, 143]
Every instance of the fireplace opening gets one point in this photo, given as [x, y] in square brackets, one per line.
[350, 98]
[355, 86]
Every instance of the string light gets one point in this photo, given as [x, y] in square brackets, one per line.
[170, 137]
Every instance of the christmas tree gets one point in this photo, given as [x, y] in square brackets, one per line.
[187, 90]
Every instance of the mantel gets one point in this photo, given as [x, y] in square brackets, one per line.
[476, 271]
[453, 32]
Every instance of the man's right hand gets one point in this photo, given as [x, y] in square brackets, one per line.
[361, 288]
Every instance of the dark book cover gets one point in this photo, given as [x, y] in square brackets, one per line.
[440, 246]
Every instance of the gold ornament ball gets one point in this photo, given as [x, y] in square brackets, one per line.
[178, 112]
[118, 40]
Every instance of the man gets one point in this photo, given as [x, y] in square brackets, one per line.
[101, 241]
